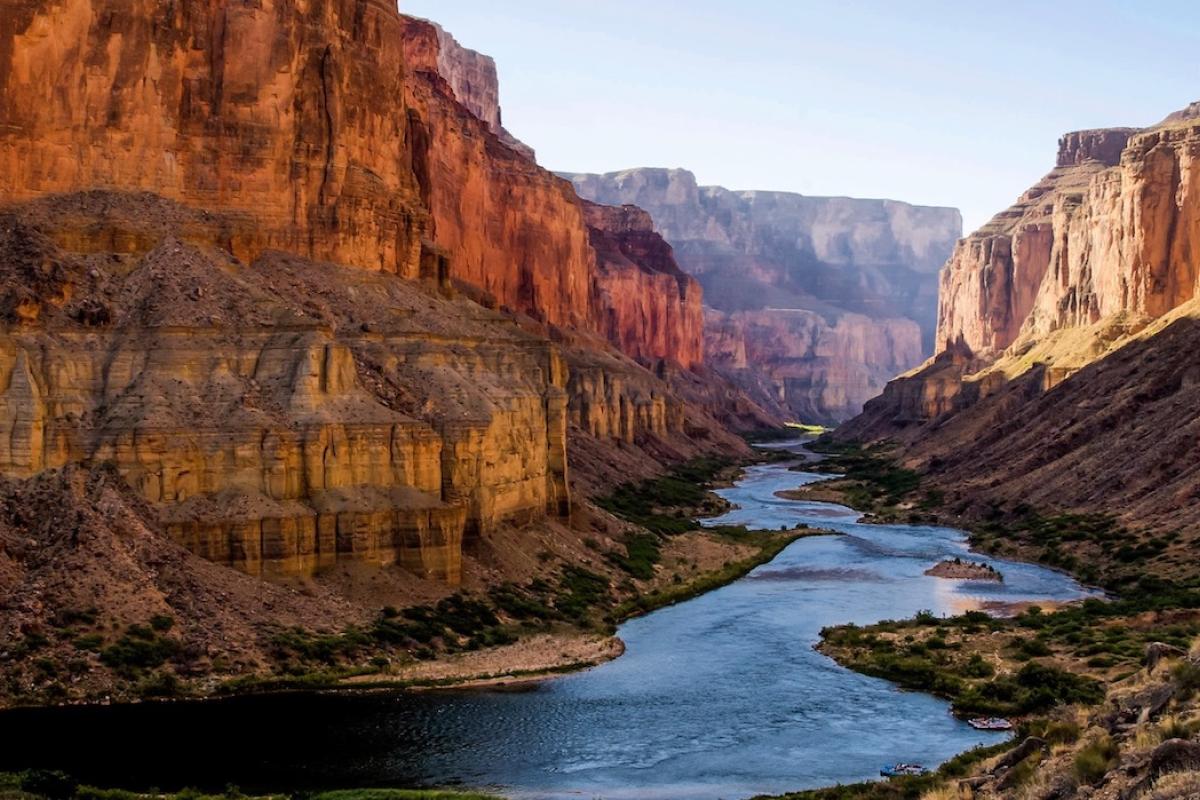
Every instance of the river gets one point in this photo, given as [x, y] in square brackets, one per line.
[719, 697]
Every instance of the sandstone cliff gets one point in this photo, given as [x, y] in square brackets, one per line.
[471, 76]
[651, 306]
[837, 278]
[167, 311]
[279, 293]
[1065, 331]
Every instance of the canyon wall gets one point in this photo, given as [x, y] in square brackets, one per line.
[242, 249]
[1111, 230]
[281, 415]
[1064, 377]
[521, 233]
[290, 116]
[833, 277]
[651, 306]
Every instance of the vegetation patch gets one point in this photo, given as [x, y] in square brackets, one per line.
[938, 656]
[668, 504]
[902, 788]
[870, 479]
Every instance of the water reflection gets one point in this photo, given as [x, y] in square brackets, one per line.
[720, 697]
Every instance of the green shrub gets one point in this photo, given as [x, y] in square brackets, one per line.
[89, 641]
[978, 667]
[139, 648]
[162, 622]
[51, 784]
[1187, 676]
[1095, 759]
[642, 552]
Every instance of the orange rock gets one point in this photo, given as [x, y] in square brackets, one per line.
[1112, 229]
[651, 308]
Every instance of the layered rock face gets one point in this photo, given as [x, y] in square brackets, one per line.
[521, 233]
[1064, 328]
[1111, 230]
[651, 306]
[798, 359]
[288, 115]
[863, 270]
[178, 180]
[281, 415]
[471, 76]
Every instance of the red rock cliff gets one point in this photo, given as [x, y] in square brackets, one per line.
[1092, 254]
[339, 131]
[650, 307]
[1113, 229]
[521, 233]
[289, 113]
[177, 178]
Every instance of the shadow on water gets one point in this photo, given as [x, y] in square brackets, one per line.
[719, 697]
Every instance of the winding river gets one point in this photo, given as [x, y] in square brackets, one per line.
[720, 697]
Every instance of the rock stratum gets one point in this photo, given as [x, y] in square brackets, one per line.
[280, 294]
[815, 302]
[1066, 376]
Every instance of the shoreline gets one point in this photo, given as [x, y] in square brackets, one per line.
[533, 659]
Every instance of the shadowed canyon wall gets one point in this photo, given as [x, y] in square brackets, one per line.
[816, 301]
[1063, 377]
[242, 247]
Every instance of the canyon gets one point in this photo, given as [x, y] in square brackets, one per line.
[281, 295]
[1065, 337]
[814, 303]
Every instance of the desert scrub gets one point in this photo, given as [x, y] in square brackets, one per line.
[662, 505]
[916, 654]
[140, 648]
[1095, 759]
[877, 483]
[642, 552]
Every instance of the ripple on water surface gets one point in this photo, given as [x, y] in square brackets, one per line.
[720, 697]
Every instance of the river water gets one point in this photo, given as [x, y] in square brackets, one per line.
[719, 697]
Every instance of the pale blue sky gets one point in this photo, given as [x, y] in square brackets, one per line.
[947, 103]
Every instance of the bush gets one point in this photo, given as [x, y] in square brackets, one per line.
[978, 667]
[1095, 759]
[52, 784]
[642, 552]
[1187, 676]
[138, 649]
[162, 622]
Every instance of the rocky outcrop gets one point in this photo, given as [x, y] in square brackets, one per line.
[239, 249]
[1104, 145]
[472, 76]
[834, 277]
[1067, 328]
[1110, 230]
[652, 308]
[281, 415]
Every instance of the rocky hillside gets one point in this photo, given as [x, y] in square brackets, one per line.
[279, 290]
[1067, 323]
[816, 302]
